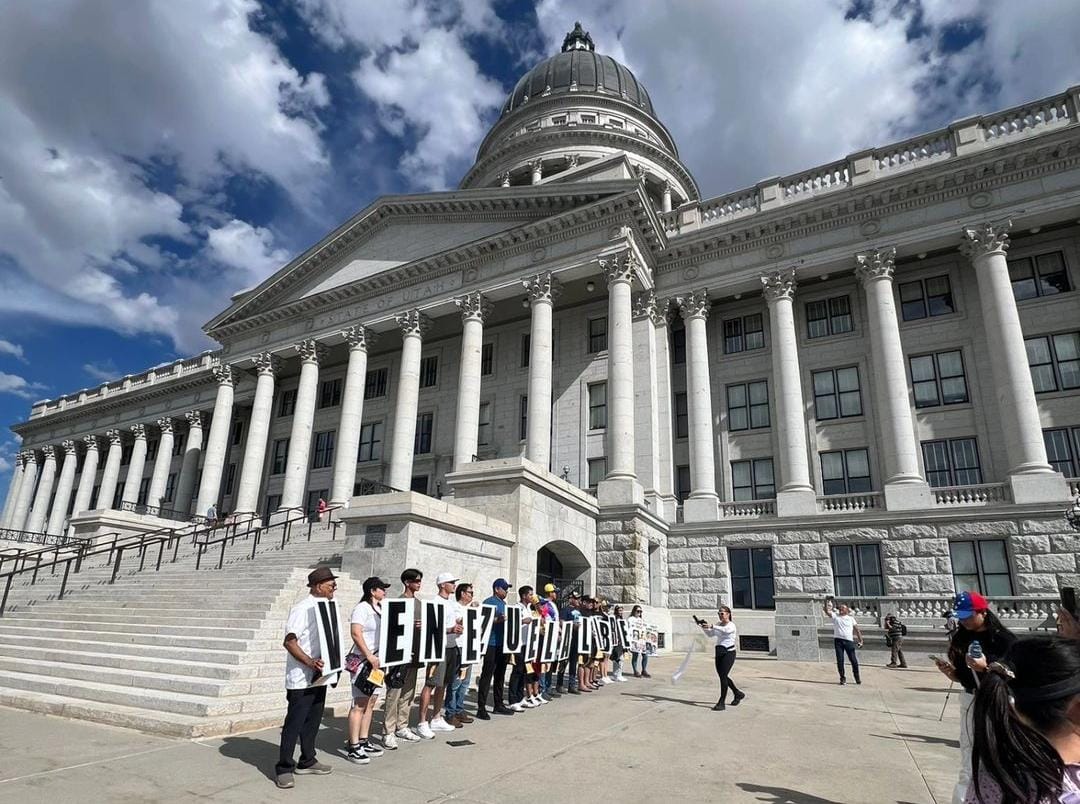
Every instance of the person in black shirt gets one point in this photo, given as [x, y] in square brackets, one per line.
[977, 622]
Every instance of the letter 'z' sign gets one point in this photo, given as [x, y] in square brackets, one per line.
[398, 628]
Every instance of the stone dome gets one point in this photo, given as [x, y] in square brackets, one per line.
[578, 68]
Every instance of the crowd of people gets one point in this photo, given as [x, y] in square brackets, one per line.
[443, 684]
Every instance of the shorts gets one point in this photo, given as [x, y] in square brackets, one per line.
[445, 671]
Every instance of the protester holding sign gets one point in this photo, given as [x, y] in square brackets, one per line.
[365, 621]
[495, 660]
[399, 698]
[441, 633]
[305, 685]
[459, 684]
[517, 677]
[618, 645]
[638, 647]
[567, 678]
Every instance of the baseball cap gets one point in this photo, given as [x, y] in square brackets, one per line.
[375, 582]
[501, 583]
[967, 603]
[446, 577]
[550, 588]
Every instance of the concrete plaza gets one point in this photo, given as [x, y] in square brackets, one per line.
[799, 738]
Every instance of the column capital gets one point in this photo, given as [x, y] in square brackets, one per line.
[536, 164]
[22, 457]
[572, 160]
[224, 375]
[48, 452]
[619, 267]
[194, 418]
[645, 305]
[413, 322]
[544, 286]
[115, 439]
[876, 264]
[777, 285]
[139, 431]
[69, 446]
[474, 306]
[985, 238]
[267, 363]
[358, 337]
[310, 351]
[91, 443]
[695, 305]
[504, 179]
[165, 425]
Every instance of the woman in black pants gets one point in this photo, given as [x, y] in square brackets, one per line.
[725, 634]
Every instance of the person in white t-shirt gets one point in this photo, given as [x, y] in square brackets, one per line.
[846, 638]
[365, 624]
[725, 633]
[454, 709]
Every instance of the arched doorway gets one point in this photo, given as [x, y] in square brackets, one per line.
[564, 565]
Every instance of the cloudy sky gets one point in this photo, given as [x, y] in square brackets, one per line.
[157, 157]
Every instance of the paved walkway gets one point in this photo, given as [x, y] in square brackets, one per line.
[799, 738]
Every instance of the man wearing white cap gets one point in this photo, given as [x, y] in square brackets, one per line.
[441, 674]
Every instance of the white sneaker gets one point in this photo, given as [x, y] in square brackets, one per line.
[440, 724]
[518, 707]
[538, 701]
[620, 678]
[424, 731]
[408, 735]
[389, 742]
[527, 703]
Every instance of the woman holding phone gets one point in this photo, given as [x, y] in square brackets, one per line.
[725, 634]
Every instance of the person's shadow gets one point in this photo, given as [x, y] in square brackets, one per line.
[262, 754]
[784, 795]
[640, 696]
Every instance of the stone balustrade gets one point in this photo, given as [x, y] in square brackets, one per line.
[1074, 486]
[982, 494]
[1043, 114]
[749, 509]
[912, 152]
[927, 611]
[847, 503]
[816, 180]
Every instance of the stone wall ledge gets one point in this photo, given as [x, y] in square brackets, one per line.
[409, 506]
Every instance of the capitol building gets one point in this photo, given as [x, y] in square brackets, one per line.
[862, 379]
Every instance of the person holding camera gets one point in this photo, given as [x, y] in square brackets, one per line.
[846, 638]
[365, 624]
[725, 633]
[895, 631]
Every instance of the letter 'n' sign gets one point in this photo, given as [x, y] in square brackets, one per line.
[432, 631]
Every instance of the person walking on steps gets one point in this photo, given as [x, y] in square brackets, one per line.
[846, 638]
[895, 631]
[725, 633]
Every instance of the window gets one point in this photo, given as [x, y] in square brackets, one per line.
[429, 371]
[422, 443]
[836, 393]
[526, 345]
[1063, 450]
[125, 455]
[678, 346]
[751, 577]
[1054, 361]
[753, 480]
[925, 298]
[748, 406]
[375, 383]
[419, 484]
[828, 317]
[170, 489]
[313, 498]
[281, 455]
[845, 471]
[523, 417]
[597, 335]
[857, 570]
[598, 406]
[487, 360]
[273, 502]
[483, 427]
[237, 432]
[371, 437]
[324, 450]
[682, 419]
[1042, 275]
[981, 566]
[287, 402]
[938, 379]
[597, 471]
[330, 393]
[230, 479]
[743, 334]
[151, 449]
[144, 488]
[559, 120]
[178, 445]
[682, 482]
[951, 462]
[588, 119]
[120, 493]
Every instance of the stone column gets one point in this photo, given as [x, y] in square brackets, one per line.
[296, 463]
[904, 487]
[352, 414]
[665, 205]
[537, 168]
[646, 417]
[110, 475]
[63, 490]
[660, 315]
[267, 366]
[542, 289]
[136, 465]
[1030, 476]
[189, 467]
[702, 504]
[474, 309]
[35, 523]
[13, 490]
[413, 326]
[159, 479]
[795, 493]
[84, 494]
[26, 491]
[217, 443]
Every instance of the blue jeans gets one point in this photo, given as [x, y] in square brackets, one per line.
[455, 700]
[846, 647]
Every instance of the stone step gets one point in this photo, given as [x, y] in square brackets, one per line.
[195, 631]
[178, 667]
[155, 650]
[109, 615]
[9, 633]
[255, 608]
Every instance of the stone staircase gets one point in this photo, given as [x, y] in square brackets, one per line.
[178, 651]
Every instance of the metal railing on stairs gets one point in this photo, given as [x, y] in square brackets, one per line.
[297, 518]
[30, 537]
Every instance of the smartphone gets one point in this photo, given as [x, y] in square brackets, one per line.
[1068, 600]
[936, 659]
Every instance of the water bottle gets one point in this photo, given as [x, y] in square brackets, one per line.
[975, 650]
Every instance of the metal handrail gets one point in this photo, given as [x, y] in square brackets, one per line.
[160, 512]
[256, 535]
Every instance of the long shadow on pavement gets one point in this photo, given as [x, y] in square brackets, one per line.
[922, 738]
[659, 698]
[802, 680]
[784, 795]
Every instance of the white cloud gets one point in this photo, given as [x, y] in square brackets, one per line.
[19, 386]
[245, 247]
[102, 371]
[13, 349]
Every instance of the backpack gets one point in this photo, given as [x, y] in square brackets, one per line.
[903, 630]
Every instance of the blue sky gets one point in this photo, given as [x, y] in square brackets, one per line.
[158, 157]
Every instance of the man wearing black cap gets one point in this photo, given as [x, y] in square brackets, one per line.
[494, 660]
[303, 670]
